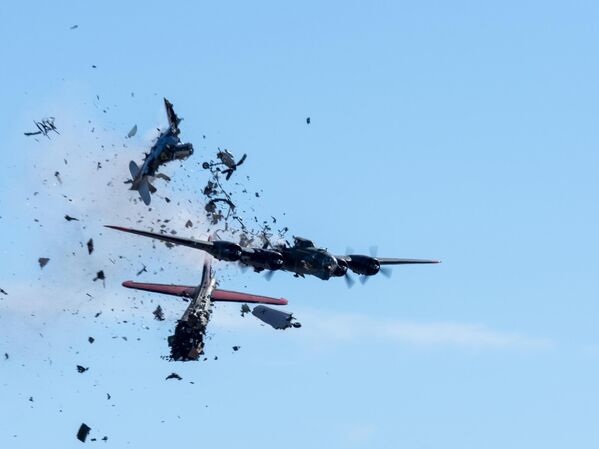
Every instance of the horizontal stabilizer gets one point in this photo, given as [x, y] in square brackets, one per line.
[174, 290]
[229, 296]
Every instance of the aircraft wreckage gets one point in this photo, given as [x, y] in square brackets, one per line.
[187, 343]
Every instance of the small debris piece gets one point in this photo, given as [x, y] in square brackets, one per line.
[90, 246]
[3, 291]
[245, 309]
[30, 398]
[44, 127]
[97, 314]
[69, 218]
[74, 27]
[188, 224]
[173, 376]
[158, 314]
[6, 356]
[236, 348]
[307, 120]
[108, 396]
[143, 270]
[100, 276]
[57, 175]
[81, 369]
[105, 439]
[132, 132]
[83, 432]
[43, 261]
[91, 340]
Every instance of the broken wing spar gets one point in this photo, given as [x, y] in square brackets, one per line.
[185, 291]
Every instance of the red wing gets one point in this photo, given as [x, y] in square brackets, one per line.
[175, 290]
[226, 295]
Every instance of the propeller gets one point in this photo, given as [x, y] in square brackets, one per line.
[349, 281]
[268, 275]
[386, 271]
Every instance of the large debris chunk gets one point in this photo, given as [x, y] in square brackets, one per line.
[275, 318]
[158, 313]
[83, 432]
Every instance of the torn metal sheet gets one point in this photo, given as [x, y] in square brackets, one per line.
[275, 318]
[83, 432]
[43, 261]
[132, 132]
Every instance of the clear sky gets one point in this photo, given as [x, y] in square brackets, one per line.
[464, 131]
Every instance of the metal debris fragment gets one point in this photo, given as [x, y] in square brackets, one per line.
[158, 313]
[83, 432]
[245, 309]
[90, 246]
[43, 261]
[173, 376]
[69, 218]
[307, 120]
[81, 369]
[91, 339]
[43, 127]
[57, 176]
[236, 348]
[275, 318]
[132, 132]
[3, 291]
[100, 276]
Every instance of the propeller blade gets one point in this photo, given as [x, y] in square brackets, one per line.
[349, 281]
[363, 279]
[374, 250]
[386, 271]
[268, 275]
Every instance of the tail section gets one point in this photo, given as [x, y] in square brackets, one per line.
[134, 169]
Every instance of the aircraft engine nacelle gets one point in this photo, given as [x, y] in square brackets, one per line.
[364, 265]
[183, 150]
[228, 251]
[262, 259]
[341, 269]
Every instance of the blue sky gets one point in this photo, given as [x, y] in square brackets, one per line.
[463, 131]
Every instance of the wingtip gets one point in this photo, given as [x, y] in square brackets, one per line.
[117, 228]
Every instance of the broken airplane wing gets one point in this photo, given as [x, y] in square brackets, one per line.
[185, 291]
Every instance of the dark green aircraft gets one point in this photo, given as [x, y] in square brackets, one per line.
[302, 258]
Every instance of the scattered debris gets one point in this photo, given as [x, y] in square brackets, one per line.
[173, 376]
[132, 132]
[81, 369]
[226, 159]
[108, 396]
[100, 277]
[307, 120]
[158, 313]
[90, 247]
[97, 314]
[143, 270]
[245, 309]
[83, 432]
[30, 398]
[188, 224]
[91, 340]
[43, 127]
[69, 218]
[236, 348]
[43, 261]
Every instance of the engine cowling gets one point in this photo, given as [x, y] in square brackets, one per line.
[228, 251]
[341, 269]
[365, 265]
